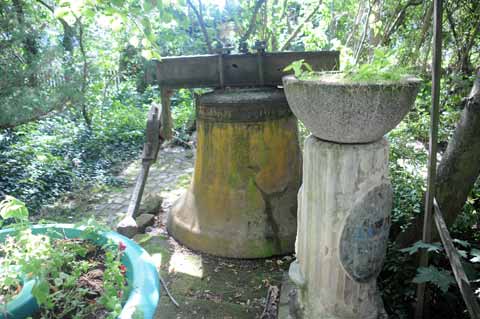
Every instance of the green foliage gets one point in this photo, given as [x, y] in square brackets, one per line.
[476, 255]
[434, 247]
[441, 278]
[300, 68]
[183, 110]
[11, 207]
[384, 66]
[43, 160]
[42, 69]
[63, 269]
[395, 282]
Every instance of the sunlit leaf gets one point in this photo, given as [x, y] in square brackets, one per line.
[13, 208]
[476, 255]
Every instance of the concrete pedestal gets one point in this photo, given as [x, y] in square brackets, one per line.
[242, 200]
[343, 225]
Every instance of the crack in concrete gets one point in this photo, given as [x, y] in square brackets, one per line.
[272, 232]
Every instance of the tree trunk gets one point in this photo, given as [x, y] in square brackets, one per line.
[460, 165]
[459, 168]
[29, 41]
[199, 14]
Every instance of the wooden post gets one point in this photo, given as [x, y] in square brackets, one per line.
[166, 114]
[432, 161]
[462, 280]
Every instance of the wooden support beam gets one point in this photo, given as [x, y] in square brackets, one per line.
[462, 280]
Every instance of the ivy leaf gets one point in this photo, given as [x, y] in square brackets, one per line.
[433, 247]
[439, 277]
[476, 255]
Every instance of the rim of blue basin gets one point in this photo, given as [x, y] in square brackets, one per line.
[143, 288]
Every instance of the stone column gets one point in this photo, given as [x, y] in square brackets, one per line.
[343, 224]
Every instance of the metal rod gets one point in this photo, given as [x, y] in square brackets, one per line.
[432, 160]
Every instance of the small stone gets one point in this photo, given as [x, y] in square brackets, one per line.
[151, 203]
[128, 227]
[144, 220]
[189, 154]
[295, 274]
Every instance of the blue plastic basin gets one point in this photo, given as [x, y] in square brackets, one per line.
[143, 288]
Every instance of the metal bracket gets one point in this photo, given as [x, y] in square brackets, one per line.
[260, 47]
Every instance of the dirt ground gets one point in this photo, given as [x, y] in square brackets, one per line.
[204, 286]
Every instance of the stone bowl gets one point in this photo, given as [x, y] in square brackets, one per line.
[343, 111]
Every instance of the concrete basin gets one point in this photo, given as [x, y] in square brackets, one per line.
[342, 111]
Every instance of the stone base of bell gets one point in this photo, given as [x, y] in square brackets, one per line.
[343, 224]
[224, 238]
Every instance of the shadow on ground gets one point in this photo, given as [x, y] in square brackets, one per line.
[212, 287]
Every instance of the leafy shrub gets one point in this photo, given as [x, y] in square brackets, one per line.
[41, 161]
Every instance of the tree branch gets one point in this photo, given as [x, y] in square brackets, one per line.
[252, 24]
[452, 26]
[46, 5]
[199, 16]
[39, 115]
[458, 170]
[68, 32]
[83, 88]
[427, 20]
[355, 24]
[300, 27]
[399, 20]
[364, 33]
[473, 37]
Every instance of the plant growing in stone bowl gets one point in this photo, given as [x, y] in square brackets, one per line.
[359, 105]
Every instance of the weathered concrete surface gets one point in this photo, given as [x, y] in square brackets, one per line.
[336, 110]
[343, 225]
[242, 200]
